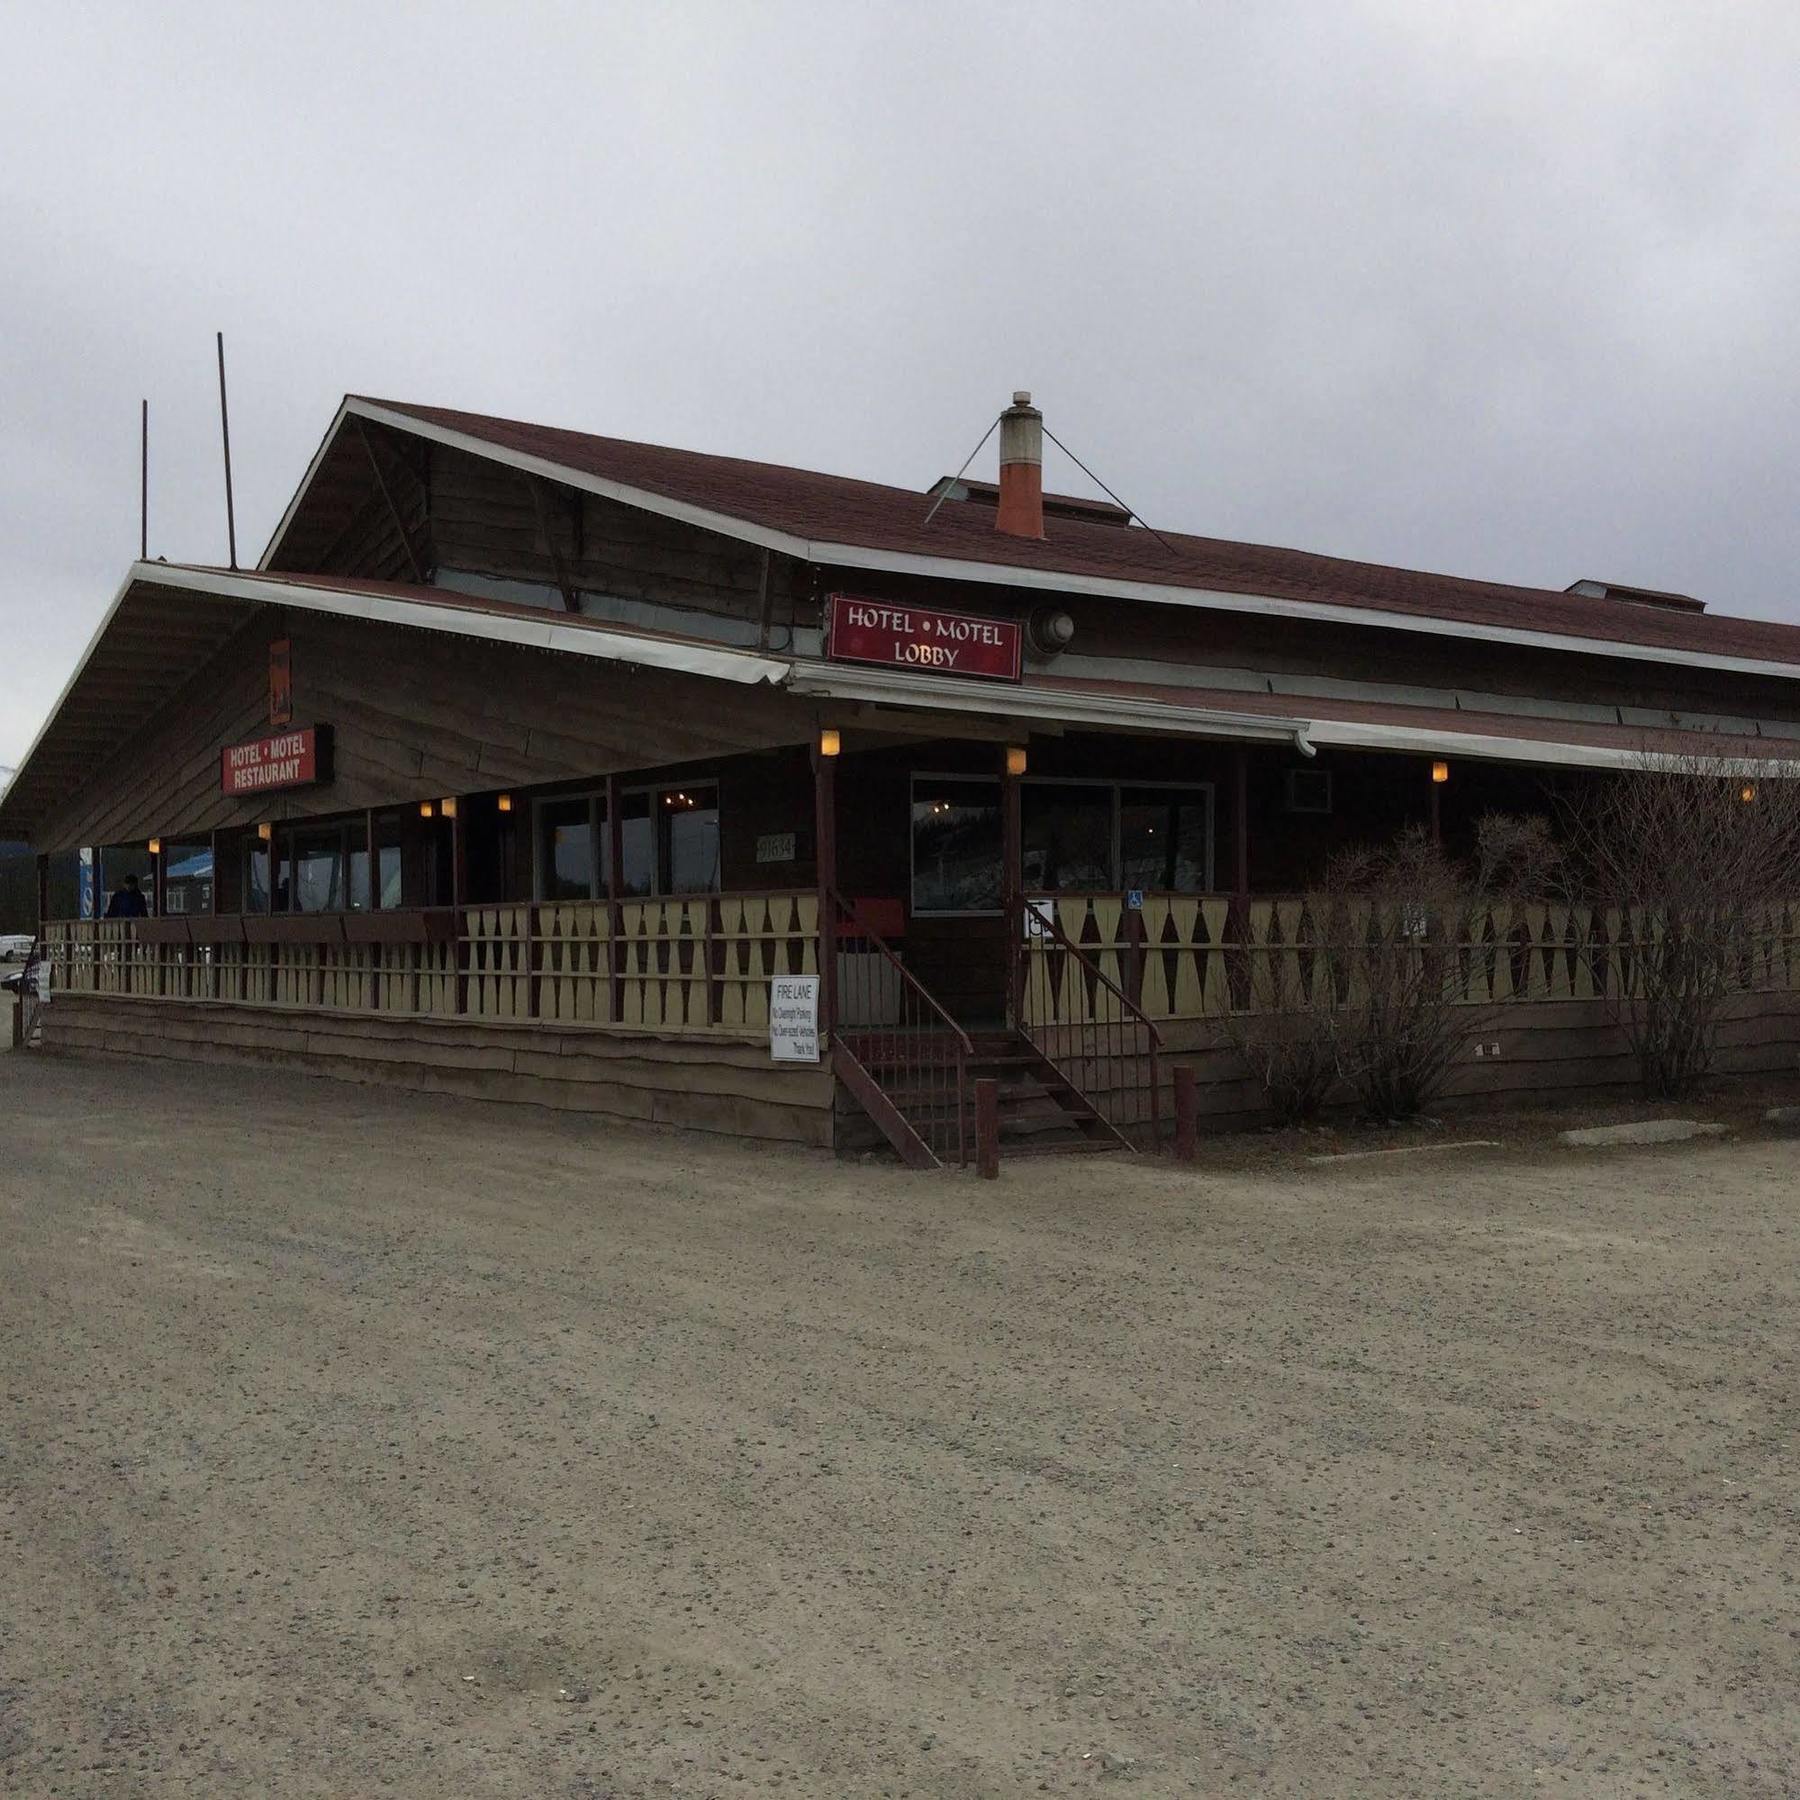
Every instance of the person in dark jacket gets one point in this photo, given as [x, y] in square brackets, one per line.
[127, 901]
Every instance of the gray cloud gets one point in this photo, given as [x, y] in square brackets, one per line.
[1507, 291]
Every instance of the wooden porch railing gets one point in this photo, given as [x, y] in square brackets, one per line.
[1186, 956]
[1078, 1017]
[694, 964]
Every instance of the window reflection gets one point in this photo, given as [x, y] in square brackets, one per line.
[956, 845]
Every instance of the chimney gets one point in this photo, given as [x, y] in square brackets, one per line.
[1021, 509]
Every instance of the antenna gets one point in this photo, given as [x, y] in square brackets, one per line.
[225, 430]
[144, 485]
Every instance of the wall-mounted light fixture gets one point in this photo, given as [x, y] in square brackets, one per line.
[504, 803]
[447, 807]
[829, 741]
[427, 810]
[265, 832]
[1016, 759]
[1747, 792]
[156, 846]
[1440, 772]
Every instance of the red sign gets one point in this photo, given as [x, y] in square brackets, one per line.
[281, 684]
[290, 759]
[919, 637]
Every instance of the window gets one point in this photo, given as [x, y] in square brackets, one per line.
[1165, 839]
[314, 871]
[1067, 835]
[668, 843]
[691, 848]
[1075, 837]
[956, 844]
[567, 864]
[1307, 790]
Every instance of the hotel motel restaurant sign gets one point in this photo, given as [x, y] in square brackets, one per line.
[921, 637]
[288, 759]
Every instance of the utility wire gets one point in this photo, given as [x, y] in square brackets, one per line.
[1101, 485]
[945, 495]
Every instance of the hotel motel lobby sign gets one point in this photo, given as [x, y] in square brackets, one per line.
[921, 637]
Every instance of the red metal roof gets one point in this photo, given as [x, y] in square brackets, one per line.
[835, 509]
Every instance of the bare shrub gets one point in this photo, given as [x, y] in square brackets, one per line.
[1690, 856]
[1375, 991]
[1285, 1038]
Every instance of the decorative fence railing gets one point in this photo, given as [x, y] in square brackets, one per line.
[1202, 957]
[700, 963]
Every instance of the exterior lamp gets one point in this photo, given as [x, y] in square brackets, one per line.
[156, 846]
[1016, 759]
[1440, 772]
[265, 832]
[447, 807]
[504, 803]
[829, 741]
[1747, 792]
[426, 809]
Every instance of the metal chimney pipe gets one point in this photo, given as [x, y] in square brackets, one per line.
[1021, 509]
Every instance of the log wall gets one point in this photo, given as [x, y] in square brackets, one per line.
[696, 1084]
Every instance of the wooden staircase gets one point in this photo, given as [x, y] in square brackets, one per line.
[1042, 1112]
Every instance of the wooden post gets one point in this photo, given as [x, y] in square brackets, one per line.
[615, 897]
[459, 899]
[1240, 824]
[375, 952]
[1437, 824]
[1187, 1113]
[825, 835]
[158, 880]
[987, 1127]
[1012, 876]
[43, 892]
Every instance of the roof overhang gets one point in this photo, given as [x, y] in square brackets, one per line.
[167, 620]
[1103, 712]
[996, 574]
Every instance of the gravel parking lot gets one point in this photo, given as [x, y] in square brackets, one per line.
[357, 1443]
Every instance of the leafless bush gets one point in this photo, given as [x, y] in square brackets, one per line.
[1284, 1036]
[1375, 992]
[1688, 856]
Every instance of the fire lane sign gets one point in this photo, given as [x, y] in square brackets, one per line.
[289, 759]
[794, 1018]
[921, 637]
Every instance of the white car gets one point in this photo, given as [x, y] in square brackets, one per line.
[15, 948]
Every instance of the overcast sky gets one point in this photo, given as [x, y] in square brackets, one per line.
[1508, 291]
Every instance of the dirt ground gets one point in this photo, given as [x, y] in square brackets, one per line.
[356, 1444]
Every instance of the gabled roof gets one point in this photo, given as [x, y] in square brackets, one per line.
[837, 521]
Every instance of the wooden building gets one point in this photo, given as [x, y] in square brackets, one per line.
[526, 763]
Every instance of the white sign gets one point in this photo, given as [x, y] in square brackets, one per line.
[794, 1018]
[775, 847]
[1040, 916]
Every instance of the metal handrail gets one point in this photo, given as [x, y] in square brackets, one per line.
[921, 1065]
[1046, 926]
[1099, 1042]
[847, 913]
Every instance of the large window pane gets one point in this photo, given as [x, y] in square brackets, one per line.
[955, 845]
[692, 818]
[1164, 837]
[637, 846]
[318, 873]
[567, 869]
[1068, 838]
[187, 878]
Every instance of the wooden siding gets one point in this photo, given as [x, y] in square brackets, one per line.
[1550, 1051]
[415, 714]
[692, 1084]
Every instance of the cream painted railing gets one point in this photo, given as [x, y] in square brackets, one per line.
[691, 964]
[1190, 957]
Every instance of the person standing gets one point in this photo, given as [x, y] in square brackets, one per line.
[127, 901]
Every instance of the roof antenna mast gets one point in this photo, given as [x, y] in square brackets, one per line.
[144, 484]
[225, 430]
